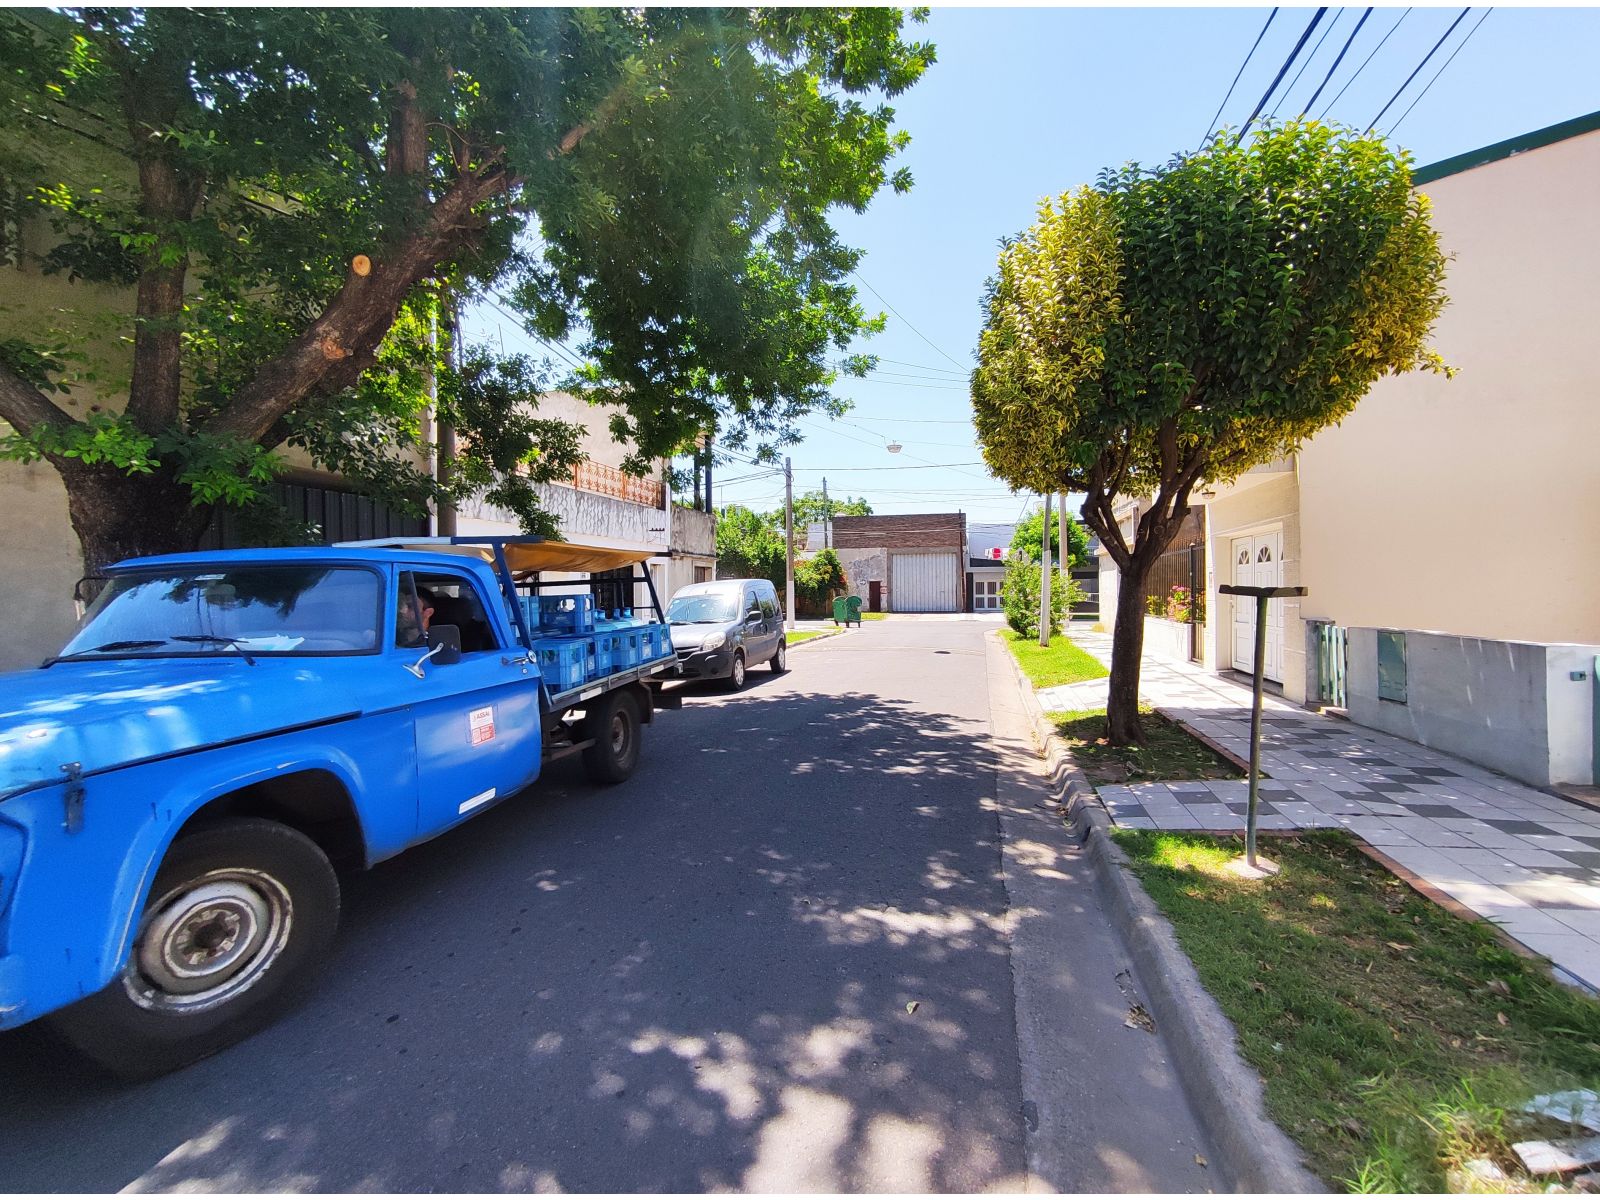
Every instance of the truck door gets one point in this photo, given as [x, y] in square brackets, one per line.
[476, 721]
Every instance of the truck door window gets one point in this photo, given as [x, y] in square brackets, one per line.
[453, 600]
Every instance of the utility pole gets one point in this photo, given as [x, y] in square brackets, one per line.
[827, 514]
[1062, 549]
[445, 522]
[788, 533]
[1044, 575]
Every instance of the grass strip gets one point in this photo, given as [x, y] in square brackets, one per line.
[1062, 661]
[1397, 1042]
[1168, 752]
[804, 635]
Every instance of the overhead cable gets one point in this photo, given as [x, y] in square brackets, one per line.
[1282, 71]
[1420, 65]
[1459, 47]
[1364, 63]
[1239, 73]
[908, 324]
[1348, 42]
[1310, 58]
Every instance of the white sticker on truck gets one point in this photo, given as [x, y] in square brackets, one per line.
[481, 723]
[480, 799]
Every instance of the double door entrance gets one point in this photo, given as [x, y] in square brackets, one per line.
[1258, 562]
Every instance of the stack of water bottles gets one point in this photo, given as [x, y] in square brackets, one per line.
[575, 644]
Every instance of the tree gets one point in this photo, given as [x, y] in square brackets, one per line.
[749, 546]
[1020, 602]
[810, 508]
[1187, 322]
[816, 579]
[288, 194]
[1028, 537]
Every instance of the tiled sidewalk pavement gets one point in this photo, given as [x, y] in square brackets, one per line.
[1523, 858]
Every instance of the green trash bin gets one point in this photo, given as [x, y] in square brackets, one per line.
[847, 609]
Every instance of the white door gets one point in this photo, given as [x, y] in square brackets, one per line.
[924, 582]
[1258, 562]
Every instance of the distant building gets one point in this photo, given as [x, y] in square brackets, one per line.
[912, 564]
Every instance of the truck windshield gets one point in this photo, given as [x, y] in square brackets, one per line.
[704, 609]
[248, 610]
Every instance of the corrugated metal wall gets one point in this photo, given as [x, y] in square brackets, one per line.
[924, 582]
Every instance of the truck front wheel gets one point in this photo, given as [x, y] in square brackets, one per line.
[239, 914]
[613, 723]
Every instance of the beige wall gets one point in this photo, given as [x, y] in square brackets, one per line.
[1263, 500]
[1472, 506]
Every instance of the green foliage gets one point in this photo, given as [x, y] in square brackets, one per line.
[1020, 601]
[1187, 322]
[1196, 319]
[811, 508]
[816, 579]
[676, 169]
[1029, 537]
[749, 546]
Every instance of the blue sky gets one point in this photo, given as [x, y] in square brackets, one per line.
[1029, 102]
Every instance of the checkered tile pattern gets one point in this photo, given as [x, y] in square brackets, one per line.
[1523, 858]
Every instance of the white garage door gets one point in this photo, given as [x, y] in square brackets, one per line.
[923, 582]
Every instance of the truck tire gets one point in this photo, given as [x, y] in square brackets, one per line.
[613, 723]
[735, 680]
[239, 914]
[779, 662]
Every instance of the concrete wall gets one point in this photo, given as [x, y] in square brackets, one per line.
[863, 564]
[1432, 482]
[1166, 640]
[1261, 500]
[1510, 706]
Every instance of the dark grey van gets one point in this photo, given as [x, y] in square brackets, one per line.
[722, 628]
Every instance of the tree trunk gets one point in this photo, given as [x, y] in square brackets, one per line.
[1127, 646]
[117, 515]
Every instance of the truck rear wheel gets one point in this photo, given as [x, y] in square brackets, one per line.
[613, 723]
[239, 914]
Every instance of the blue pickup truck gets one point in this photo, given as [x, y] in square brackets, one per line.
[227, 731]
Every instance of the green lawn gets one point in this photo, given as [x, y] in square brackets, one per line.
[804, 635]
[866, 616]
[1051, 666]
[1396, 1041]
[1168, 752]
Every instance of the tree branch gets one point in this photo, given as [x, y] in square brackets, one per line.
[24, 407]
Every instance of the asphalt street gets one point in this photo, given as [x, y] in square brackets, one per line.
[785, 956]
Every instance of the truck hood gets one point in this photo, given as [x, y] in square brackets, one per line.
[107, 714]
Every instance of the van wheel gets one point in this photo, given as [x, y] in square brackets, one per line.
[613, 723]
[780, 661]
[736, 676]
[239, 915]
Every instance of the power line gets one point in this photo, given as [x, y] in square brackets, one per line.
[1363, 65]
[1348, 42]
[922, 366]
[1282, 71]
[1420, 65]
[1239, 74]
[922, 467]
[908, 324]
[1441, 70]
[1310, 58]
[566, 355]
[927, 387]
[917, 420]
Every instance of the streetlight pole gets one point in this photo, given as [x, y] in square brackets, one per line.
[788, 533]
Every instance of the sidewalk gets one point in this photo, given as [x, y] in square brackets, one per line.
[1523, 858]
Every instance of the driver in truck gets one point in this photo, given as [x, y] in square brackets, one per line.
[413, 618]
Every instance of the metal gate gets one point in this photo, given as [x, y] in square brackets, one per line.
[1332, 659]
[924, 582]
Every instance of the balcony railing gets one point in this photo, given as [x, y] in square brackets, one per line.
[596, 477]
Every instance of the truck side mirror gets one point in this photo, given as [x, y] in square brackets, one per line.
[445, 643]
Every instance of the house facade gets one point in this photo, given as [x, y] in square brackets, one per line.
[1400, 522]
[915, 563]
[987, 547]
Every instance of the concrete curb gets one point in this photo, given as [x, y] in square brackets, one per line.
[822, 636]
[1225, 1093]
